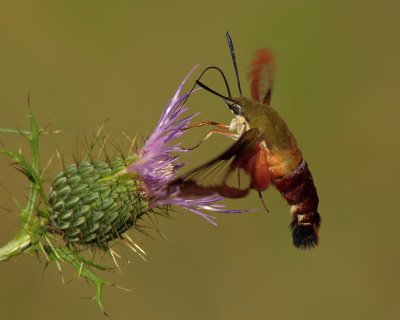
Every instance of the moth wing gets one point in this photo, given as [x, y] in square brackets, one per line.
[217, 175]
[261, 76]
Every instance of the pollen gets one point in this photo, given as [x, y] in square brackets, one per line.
[167, 171]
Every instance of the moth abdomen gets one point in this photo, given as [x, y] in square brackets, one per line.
[298, 189]
[305, 235]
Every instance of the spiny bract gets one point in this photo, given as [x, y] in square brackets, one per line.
[93, 202]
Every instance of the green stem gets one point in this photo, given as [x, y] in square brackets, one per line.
[19, 243]
[23, 237]
[35, 185]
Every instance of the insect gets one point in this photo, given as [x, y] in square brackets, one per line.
[265, 152]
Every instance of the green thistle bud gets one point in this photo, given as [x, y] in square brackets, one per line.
[94, 202]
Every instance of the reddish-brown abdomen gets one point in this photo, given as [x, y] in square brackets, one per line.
[299, 191]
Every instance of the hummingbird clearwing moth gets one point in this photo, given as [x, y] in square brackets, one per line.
[265, 151]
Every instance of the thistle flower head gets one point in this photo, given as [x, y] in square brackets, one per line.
[94, 202]
[158, 163]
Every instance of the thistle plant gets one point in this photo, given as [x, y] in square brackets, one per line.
[94, 202]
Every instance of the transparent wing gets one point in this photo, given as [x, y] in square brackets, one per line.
[229, 174]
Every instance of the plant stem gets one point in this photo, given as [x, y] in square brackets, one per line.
[23, 237]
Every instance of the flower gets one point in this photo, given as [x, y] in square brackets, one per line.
[158, 164]
[91, 202]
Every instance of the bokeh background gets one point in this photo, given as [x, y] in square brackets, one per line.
[337, 87]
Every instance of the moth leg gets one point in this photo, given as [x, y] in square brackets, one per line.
[208, 135]
[206, 123]
[263, 203]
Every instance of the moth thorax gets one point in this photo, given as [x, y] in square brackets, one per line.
[94, 202]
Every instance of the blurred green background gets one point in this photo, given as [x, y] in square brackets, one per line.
[337, 88]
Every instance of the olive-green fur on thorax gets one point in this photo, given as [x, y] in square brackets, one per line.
[276, 134]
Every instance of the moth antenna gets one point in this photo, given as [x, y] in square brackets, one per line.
[223, 76]
[201, 75]
[201, 84]
[232, 50]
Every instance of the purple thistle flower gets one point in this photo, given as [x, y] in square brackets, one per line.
[93, 202]
[158, 165]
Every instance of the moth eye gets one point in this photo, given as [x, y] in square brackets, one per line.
[236, 109]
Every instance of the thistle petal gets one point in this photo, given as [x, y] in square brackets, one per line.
[158, 164]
